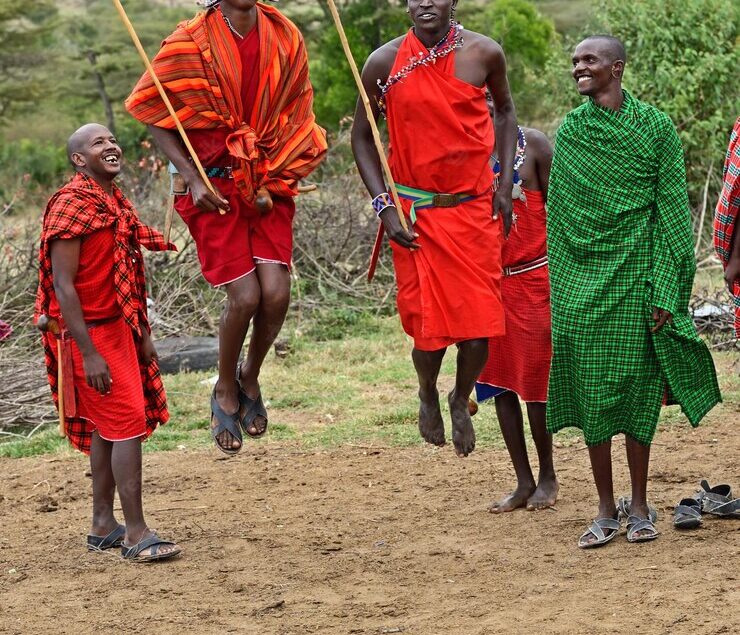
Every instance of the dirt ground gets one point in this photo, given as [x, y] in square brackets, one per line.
[362, 540]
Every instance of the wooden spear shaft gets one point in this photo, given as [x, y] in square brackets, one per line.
[369, 112]
[165, 99]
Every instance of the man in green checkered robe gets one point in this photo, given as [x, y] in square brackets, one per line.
[621, 270]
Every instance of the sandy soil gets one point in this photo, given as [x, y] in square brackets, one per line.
[369, 540]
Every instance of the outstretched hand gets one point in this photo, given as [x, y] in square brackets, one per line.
[660, 317]
[503, 206]
[395, 231]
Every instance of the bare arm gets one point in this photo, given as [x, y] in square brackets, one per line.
[542, 150]
[378, 66]
[65, 259]
[168, 142]
[505, 126]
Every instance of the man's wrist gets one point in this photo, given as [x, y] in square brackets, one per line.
[382, 202]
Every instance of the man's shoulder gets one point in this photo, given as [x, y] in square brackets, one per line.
[654, 117]
[482, 42]
[385, 55]
[578, 113]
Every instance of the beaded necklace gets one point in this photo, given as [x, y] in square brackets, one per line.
[452, 40]
[228, 24]
[521, 144]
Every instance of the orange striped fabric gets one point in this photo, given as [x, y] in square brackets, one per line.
[200, 68]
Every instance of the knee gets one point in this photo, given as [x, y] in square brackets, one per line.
[243, 302]
[477, 346]
[275, 301]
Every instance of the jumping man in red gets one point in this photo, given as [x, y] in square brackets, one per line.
[91, 281]
[237, 76]
[431, 85]
[518, 364]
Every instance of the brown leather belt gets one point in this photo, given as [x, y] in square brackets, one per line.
[526, 266]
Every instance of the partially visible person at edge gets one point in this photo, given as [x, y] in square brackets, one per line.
[448, 265]
[518, 363]
[726, 241]
[621, 271]
[237, 76]
[91, 282]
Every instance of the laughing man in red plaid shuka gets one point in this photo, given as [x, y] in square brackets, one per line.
[91, 281]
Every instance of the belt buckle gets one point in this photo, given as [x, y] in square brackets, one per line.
[446, 200]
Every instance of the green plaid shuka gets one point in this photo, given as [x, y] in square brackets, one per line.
[619, 243]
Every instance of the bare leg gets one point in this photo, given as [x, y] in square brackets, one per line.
[126, 467]
[431, 425]
[509, 414]
[274, 281]
[103, 486]
[242, 299]
[547, 483]
[601, 466]
[471, 358]
[638, 459]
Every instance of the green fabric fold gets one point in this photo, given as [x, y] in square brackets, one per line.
[620, 242]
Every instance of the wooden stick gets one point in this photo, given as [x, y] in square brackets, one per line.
[368, 112]
[168, 217]
[50, 325]
[163, 95]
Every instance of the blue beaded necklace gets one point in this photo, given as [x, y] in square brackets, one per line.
[521, 144]
[452, 40]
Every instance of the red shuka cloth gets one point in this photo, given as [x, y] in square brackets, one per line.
[79, 209]
[520, 360]
[441, 139]
[727, 212]
[229, 244]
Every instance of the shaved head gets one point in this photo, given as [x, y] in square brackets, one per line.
[80, 138]
[611, 46]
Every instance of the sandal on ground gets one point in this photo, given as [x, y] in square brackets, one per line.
[224, 423]
[623, 507]
[730, 509]
[153, 541]
[687, 514]
[253, 408]
[717, 500]
[597, 529]
[101, 543]
[635, 525]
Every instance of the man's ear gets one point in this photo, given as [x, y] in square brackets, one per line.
[618, 69]
[78, 160]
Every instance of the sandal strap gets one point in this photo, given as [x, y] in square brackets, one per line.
[113, 539]
[636, 524]
[687, 510]
[154, 541]
[598, 526]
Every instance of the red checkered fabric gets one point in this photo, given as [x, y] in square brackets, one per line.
[79, 208]
[727, 212]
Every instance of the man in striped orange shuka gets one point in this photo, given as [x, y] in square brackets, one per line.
[237, 76]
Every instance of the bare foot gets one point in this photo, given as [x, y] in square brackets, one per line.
[431, 424]
[463, 434]
[545, 495]
[516, 500]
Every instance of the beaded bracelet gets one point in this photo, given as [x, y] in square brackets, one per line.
[381, 201]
